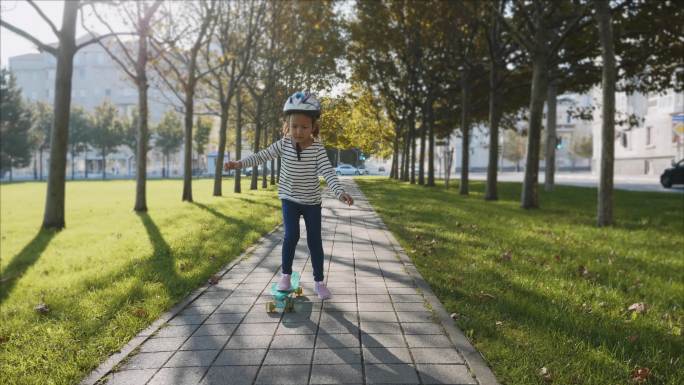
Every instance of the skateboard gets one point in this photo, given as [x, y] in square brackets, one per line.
[282, 299]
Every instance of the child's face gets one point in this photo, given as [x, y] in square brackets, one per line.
[301, 127]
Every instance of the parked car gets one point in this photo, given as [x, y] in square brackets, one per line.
[673, 175]
[346, 169]
[363, 170]
[248, 171]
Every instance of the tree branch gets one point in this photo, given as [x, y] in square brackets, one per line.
[41, 46]
[98, 38]
[47, 20]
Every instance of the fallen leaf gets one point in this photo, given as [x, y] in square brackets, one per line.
[506, 256]
[139, 312]
[214, 280]
[545, 374]
[632, 338]
[638, 307]
[42, 308]
[640, 374]
[582, 271]
[455, 316]
[557, 258]
[485, 295]
[499, 323]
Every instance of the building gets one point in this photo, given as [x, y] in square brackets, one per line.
[96, 78]
[650, 146]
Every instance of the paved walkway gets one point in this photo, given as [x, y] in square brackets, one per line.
[377, 328]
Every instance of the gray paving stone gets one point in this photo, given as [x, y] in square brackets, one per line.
[297, 317]
[325, 340]
[415, 316]
[284, 374]
[378, 316]
[176, 331]
[288, 357]
[339, 306]
[204, 343]
[261, 316]
[215, 330]
[248, 342]
[240, 357]
[422, 328]
[337, 356]
[387, 355]
[256, 329]
[383, 340]
[445, 374]
[372, 297]
[187, 320]
[336, 374]
[341, 316]
[224, 318]
[162, 344]
[297, 328]
[391, 374]
[131, 377]
[335, 326]
[410, 306]
[407, 298]
[233, 308]
[436, 356]
[146, 360]
[192, 358]
[234, 375]
[197, 310]
[428, 341]
[292, 341]
[380, 328]
[376, 306]
[178, 376]
[240, 300]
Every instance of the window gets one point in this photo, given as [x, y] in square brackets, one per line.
[568, 118]
[623, 139]
[649, 136]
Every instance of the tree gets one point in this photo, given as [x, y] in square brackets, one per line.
[80, 129]
[540, 27]
[203, 128]
[43, 119]
[237, 24]
[179, 45]
[514, 148]
[64, 51]
[133, 62]
[169, 137]
[604, 215]
[107, 132]
[15, 126]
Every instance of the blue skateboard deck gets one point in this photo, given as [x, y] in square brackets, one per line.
[282, 299]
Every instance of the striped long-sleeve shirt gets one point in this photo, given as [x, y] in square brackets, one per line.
[299, 177]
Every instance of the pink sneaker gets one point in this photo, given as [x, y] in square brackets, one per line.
[284, 283]
[322, 290]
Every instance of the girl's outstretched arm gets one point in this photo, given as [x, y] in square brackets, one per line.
[272, 152]
[325, 169]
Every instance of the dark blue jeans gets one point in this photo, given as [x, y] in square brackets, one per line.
[312, 219]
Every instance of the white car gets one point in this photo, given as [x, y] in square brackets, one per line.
[345, 169]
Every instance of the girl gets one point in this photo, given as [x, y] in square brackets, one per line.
[303, 159]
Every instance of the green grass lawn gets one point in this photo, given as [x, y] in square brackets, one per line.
[546, 288]
[111, 272]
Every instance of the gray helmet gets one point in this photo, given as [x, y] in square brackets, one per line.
[304, 102]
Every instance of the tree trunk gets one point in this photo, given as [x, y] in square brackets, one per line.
[465, 130]
[10, 168]
[73, 159]
[85, 162]
[54, 201]
[35, 167]
[264, 174]
[431, 145]
[394, 170]
[104, 165]
[421, 165]
[143, 113]
[604, 215]
[257, 137]
[238, 140]
[187, 150]
[491, 192]
[218, 170]
[412, 134]
[40, 152]
[530, 193]
[550, 156]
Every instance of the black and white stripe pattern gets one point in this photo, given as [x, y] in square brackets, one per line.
[299, 177]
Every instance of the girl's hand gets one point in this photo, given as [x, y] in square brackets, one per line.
[232, 165]
[346, 198]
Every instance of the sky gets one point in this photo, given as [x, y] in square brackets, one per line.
[22, 15]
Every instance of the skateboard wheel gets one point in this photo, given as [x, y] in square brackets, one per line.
[289, 306]
[270, 307]
[298, 292]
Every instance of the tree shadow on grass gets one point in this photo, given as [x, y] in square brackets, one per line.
[21, 262]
